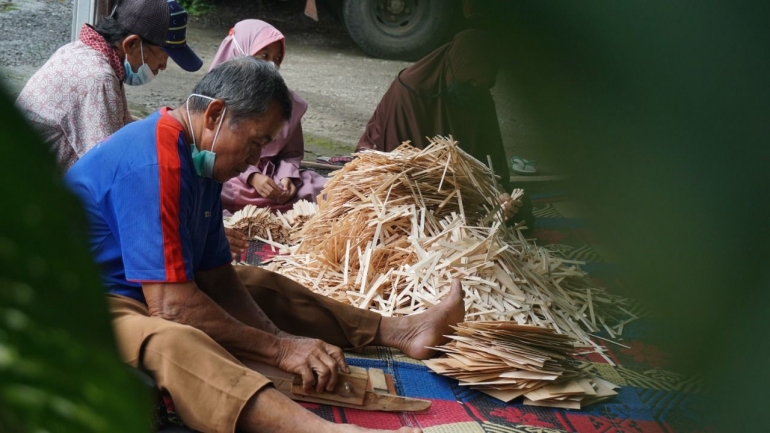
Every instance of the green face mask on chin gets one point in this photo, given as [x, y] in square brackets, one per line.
[203, 160]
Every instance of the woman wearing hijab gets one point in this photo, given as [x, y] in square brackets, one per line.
[446, 93]
[276, 181]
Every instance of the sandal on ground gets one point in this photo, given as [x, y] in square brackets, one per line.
[523, 166]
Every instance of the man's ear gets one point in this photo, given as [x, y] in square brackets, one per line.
[129, 44]
[213, 114]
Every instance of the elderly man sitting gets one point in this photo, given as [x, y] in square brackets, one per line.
[180, 310]
[77, 98]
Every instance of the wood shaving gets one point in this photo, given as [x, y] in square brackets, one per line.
[393, 230]
[507, 361]
[263, 223]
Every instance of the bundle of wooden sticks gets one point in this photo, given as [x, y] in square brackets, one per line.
[260, 223]
[507, 361]
[395, 228]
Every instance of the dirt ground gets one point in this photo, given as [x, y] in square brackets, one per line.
[323, 65]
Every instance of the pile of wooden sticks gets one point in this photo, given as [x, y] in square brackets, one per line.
[395, 228]
[260, 223]
[507, 361]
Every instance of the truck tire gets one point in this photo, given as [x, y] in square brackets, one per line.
[399, 29]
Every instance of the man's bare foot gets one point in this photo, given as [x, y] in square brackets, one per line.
[413, 334]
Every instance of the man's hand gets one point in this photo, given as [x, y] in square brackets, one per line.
[289, 190]
[238, 242]
[265, 186]
[313, 360]
[510, 207]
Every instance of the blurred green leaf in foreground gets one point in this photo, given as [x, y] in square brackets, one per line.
[659, 112]
[59, 367]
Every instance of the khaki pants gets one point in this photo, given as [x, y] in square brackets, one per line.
[209, 386]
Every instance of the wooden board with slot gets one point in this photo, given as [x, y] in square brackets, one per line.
[353, 390]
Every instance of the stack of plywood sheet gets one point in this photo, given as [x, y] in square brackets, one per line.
[507, 361]
[396, 228]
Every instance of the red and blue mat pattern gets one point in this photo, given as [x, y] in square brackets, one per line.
[651, 398]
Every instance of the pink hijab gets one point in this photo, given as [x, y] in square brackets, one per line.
[251, 36]
[281, 158]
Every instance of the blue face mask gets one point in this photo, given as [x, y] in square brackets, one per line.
[203, 160]
[143, 76]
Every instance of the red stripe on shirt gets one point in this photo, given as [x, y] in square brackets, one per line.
[169, 171]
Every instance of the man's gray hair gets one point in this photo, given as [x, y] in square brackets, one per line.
[247, 85]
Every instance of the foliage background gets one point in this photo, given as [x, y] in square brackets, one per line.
[197, 7]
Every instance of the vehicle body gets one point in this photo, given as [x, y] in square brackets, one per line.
[389, 29]
[396, 29]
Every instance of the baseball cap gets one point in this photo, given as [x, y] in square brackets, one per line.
[176, 39]
[161, 22]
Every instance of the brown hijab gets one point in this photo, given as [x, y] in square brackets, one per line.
[425, 100]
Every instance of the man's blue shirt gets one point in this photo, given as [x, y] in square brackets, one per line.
[152, 218]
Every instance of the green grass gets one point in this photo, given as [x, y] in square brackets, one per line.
[320, 146]
[7, 6]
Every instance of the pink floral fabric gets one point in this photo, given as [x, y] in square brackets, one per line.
[90, 37]
[76, 99]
